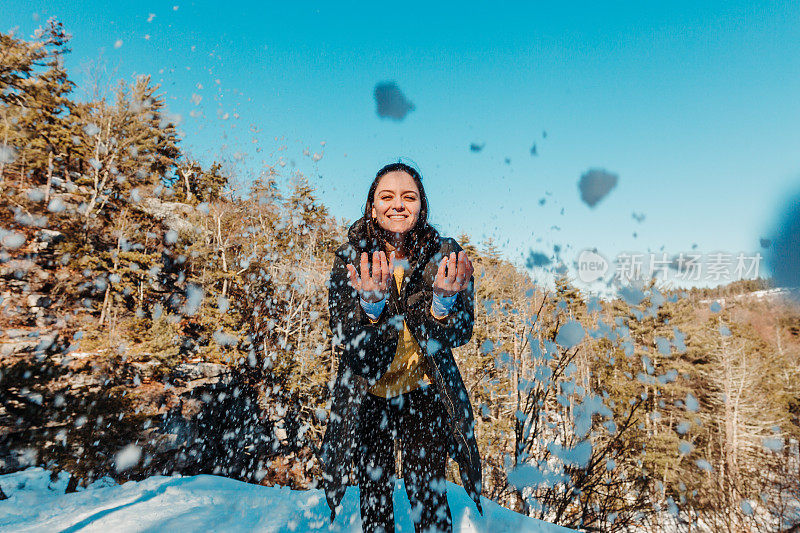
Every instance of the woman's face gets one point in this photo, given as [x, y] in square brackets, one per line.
[396, 203]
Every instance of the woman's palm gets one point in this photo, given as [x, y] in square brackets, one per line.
[373, 283]
[453, 274]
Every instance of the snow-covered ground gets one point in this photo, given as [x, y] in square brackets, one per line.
[212, 503]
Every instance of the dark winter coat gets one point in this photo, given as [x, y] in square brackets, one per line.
[366, 351]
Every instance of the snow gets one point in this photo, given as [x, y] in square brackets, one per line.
[213, 503]
[774, 444]
[194, 297]
[570, 334]
[590, 406]
[7, 154]
[691, 403]
[595, 184]
[578, 456]
[11, 239]
[127, 457]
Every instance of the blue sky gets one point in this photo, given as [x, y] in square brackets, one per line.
[695, 107]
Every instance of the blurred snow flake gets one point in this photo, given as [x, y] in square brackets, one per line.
[578, 456]
[715, 307]
[747, 508]
[595, 184]
[391, 102]
[194, 297]
[150, 17]
[118, 43]
[433, 346]
[691, 403]
[476, 147]
[35, 195]
[774, 444]
[171, 237]
[27, 456]
[224, 339]
[702, 464]
[590, 406]
[170, 118]
[668, 377]
[570, 334]
[56, 205]
[783, 255]
[680, 337]
[91, 130]
[672, 509]
[7, 154]
[662, 343]
[526, 475]
[631, 295]
[683, 427]
[536, 259]
[11, 239]
[127, 457]
[196, 99]
[685, 447]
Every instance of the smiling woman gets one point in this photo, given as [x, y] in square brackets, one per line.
[397, 205]
[397, 378]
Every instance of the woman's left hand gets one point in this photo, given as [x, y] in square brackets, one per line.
[453, 275]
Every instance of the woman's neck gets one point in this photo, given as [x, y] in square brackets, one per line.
[397, 248]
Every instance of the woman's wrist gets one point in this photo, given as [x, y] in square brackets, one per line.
[441, 305]
[373, 309]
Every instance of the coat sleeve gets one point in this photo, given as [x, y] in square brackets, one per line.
[367, 348]
[456, 328]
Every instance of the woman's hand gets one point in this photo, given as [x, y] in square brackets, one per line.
[453, 275]
[372, 285]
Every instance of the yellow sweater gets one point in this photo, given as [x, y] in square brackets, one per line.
[407, 370]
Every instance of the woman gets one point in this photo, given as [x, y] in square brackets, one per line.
[400, 297]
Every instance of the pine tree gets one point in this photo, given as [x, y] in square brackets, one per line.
[34, 91]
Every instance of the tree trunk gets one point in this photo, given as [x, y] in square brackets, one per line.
[49, 178]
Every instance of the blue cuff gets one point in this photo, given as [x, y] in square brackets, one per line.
[441, 305]
[373, 309]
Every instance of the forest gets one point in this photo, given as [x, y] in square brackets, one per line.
[162, 315]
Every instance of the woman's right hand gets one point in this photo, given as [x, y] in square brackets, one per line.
[372, 285]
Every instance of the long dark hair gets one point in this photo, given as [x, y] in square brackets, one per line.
[418, 236]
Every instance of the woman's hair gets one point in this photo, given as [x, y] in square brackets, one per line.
[417, 235]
